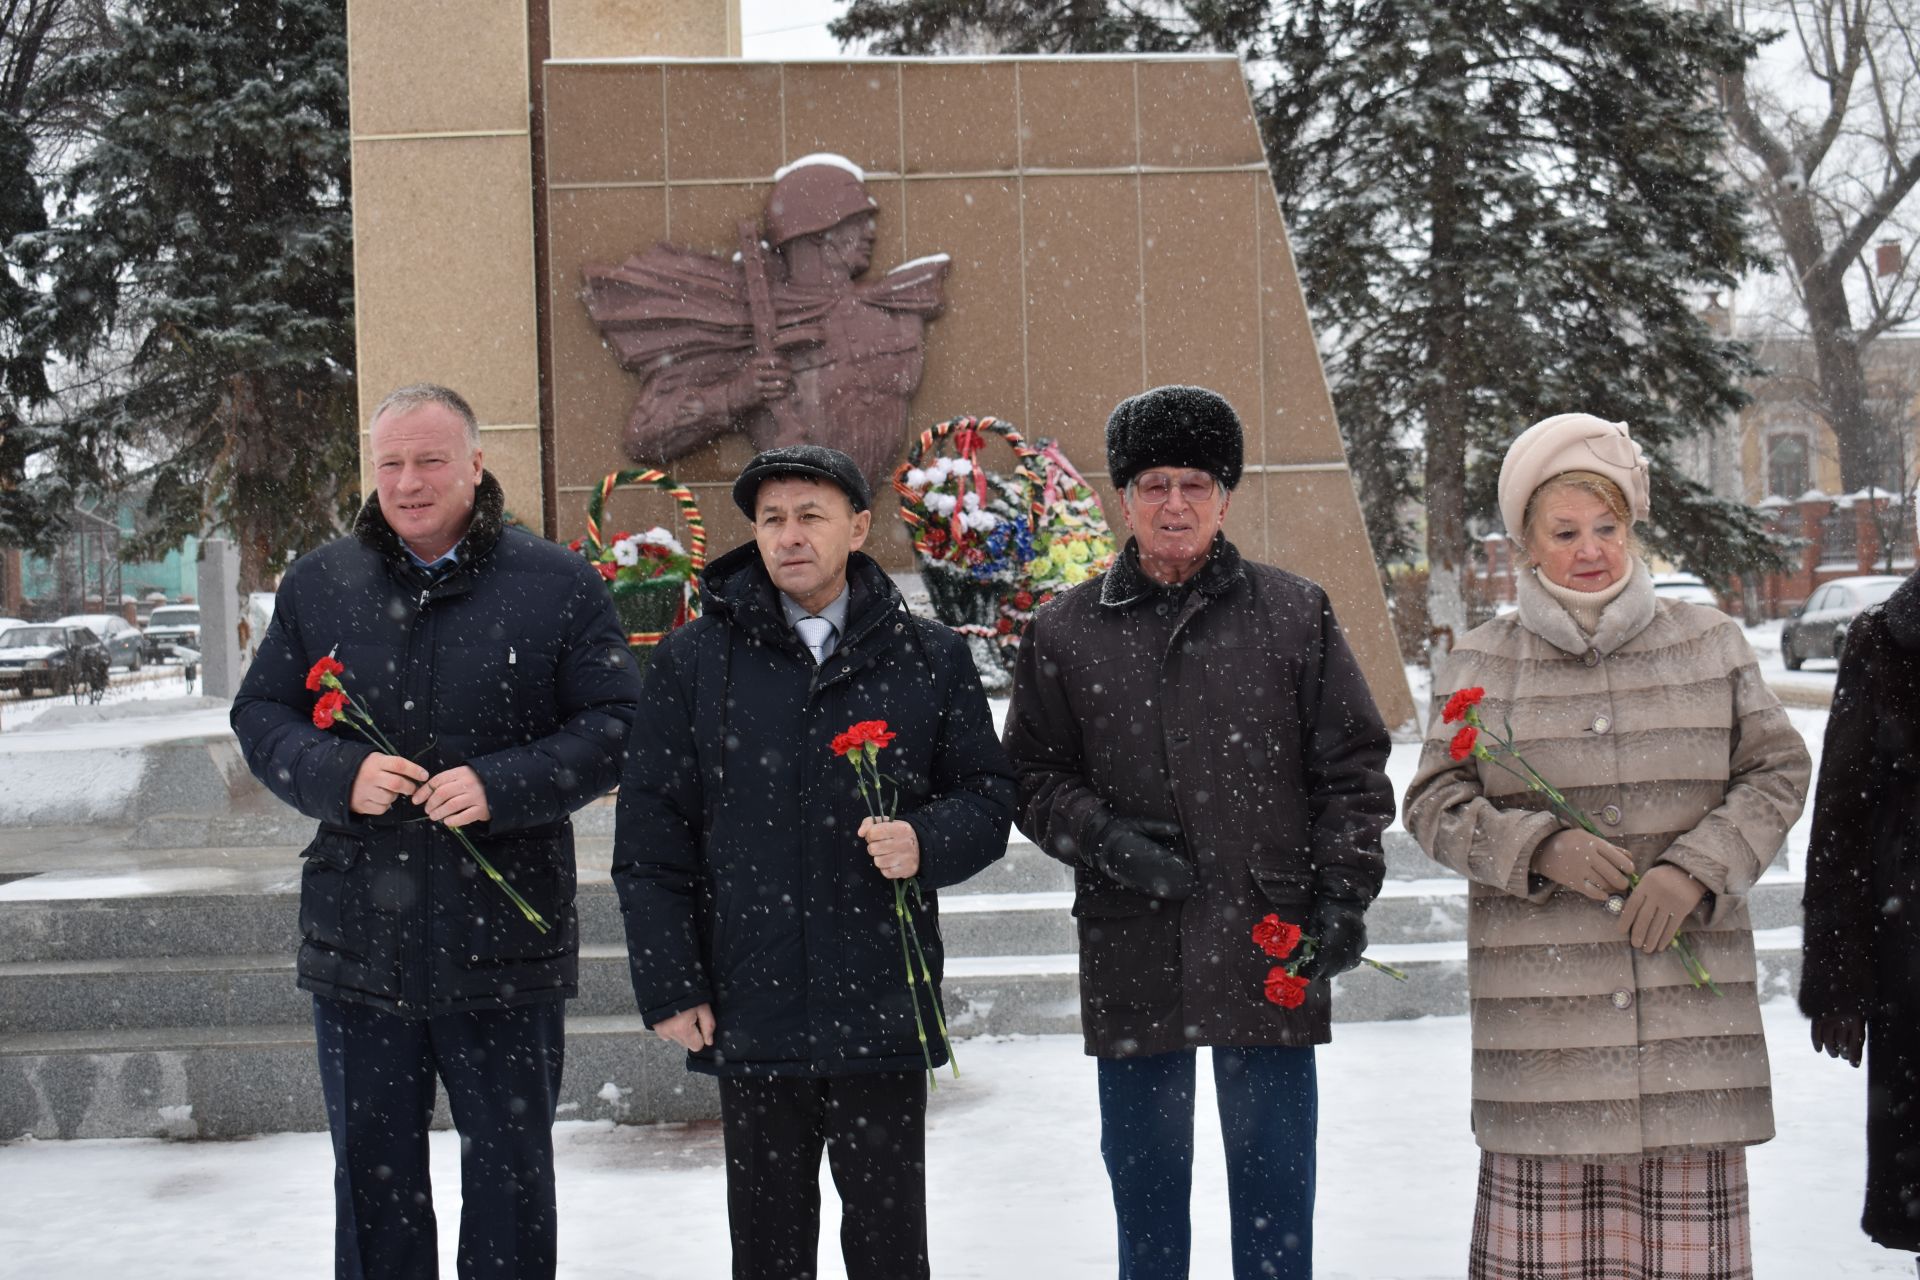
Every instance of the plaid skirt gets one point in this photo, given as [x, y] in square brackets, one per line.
[1682, 1217]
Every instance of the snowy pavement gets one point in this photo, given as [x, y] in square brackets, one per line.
[1015, 1180]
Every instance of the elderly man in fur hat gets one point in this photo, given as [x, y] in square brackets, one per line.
[1193, 736]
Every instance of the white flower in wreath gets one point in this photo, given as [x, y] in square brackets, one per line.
[961, 467]
[942, 504]
[980, 521]
[658, 537]
[626, 551]
[917, 479]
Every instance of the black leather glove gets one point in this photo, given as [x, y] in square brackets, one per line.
[1339, 930]
[1139, 853]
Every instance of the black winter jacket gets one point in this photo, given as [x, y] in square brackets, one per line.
[739, 870]
[512, 663]
[1862, 905]
[1237, 710]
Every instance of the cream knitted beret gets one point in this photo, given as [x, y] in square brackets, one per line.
[1570, 442]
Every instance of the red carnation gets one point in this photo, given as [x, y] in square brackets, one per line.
[874, 731]
[1276, 937]
[845, 742]
[574, 545]
[1004, 626]
[1456, 708]
[607, 570]
[327, 708]
[1462, 745]
[1023, 600]
[316, 676]
[1284, 989]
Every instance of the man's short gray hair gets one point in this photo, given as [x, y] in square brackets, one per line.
[420, 394]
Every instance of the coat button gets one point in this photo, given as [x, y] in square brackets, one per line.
[1593, 658]
[1611, 815]
[1623, 999]
[1180, 737]
[1601, 724]
[407, 705]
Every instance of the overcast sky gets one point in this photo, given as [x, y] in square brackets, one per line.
[789, 28]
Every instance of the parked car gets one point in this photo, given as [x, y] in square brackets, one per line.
[51, 656]
[1818, 628]
[1684, 586]
[126, 646]
[7, 624]
[173, 624]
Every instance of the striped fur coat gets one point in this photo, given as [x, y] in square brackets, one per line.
[1661, 729]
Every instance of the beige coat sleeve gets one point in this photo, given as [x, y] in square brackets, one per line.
[1450, 816]
[1767, 779]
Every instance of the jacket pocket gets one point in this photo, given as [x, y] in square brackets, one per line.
[497, 931]
[1097, 898]
[1286, 892]
[334, 895]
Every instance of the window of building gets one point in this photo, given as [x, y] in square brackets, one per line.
[1788, 471]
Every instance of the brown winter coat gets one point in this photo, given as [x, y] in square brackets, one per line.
[1661, 729]
[1242, 715]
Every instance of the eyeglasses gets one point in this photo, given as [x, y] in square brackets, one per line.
[1156, 489]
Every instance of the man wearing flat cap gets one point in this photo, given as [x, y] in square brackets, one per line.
[758, 893]
[1193, 736]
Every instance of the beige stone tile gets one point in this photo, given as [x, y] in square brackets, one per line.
[851, 109]
[513, 455]
[1300, 424]
[592, 395]
[1315, 529]
[1202, 308]
[1077, 115]
[723, 121]
[1196, 113]
[974, 351]
[645, 28]
[1083, 305]
[443, 271]
[605, 124]
[707, 218]
[960, 117]
[475, 78]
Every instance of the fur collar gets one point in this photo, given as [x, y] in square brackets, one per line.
[483, 532]
[1623, 619]
[1126, 583]
[1903, 613]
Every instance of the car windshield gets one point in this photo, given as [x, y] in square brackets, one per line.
[1875, 592]
[31, 637]
[174, 618]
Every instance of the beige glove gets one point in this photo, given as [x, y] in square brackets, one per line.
[1583, 863]
[1665, 897]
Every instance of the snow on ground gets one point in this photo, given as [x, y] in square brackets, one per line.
[156, 681]
[1015, 1180]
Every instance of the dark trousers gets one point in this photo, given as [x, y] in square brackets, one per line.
[501, 1069]
[874, 1130]
[1269, 1114]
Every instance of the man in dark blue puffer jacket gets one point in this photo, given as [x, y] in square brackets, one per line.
[493, 662]
[759, 897]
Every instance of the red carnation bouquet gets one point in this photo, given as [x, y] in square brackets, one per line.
[1280, 940]
[335, 704]
[860, 747]
[1463, 709]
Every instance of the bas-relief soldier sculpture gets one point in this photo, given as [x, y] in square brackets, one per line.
[780, 342]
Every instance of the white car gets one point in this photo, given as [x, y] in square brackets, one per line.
[1684, 586]
[126, 646]
[170, 625]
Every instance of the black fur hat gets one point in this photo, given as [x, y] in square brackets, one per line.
[1174, 427]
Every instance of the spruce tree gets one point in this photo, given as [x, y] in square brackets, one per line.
[1501, 209]
[200, 263]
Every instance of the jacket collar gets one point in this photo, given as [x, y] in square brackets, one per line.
[1903, 613]
[483, 531]
[1126, 583]
[1626, 617]
[738, 587]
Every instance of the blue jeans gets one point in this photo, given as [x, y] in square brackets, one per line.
[1269, 1114]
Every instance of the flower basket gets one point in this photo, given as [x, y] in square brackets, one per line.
[655, 583]
[969, 526]
[1070, 536]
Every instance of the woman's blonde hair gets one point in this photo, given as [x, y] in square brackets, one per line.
[1594, 485]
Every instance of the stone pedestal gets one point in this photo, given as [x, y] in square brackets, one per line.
[219, 596]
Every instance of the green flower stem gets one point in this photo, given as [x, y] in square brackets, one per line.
[363, 723]
[926, 974]
[1696, 970]
[919, 1023]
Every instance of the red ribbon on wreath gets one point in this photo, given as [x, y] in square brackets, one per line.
[967, 442]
